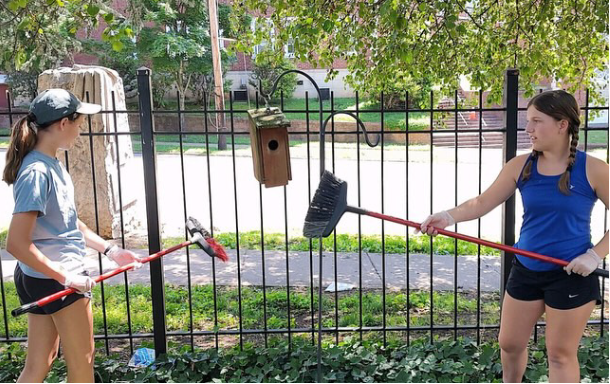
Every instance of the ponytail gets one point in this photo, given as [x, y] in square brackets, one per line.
[23, 140]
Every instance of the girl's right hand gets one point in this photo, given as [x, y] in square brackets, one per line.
[438, 220]
[80, 283]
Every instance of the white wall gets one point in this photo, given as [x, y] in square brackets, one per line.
[337, 85]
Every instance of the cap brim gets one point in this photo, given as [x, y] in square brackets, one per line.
[88, 109]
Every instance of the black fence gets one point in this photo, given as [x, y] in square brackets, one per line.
[446, 120]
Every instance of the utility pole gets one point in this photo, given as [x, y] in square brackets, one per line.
[218, 86]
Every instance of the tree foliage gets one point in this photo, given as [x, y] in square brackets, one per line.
[23, 84]
[38, 34]
[387, 42]
[176, 40]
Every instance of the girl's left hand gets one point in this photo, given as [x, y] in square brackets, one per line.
[123, 257]
[584, 264]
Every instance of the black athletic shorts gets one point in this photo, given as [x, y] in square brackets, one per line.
[558, 289]
[30, 289]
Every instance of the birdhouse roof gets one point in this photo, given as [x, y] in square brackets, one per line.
[268, 118]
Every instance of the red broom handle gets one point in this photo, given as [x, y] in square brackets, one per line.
[476, 240]
[58, 295]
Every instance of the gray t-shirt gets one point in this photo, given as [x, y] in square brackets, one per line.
[44, 185]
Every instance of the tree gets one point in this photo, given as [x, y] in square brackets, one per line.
[38, 34]
[24, 84]
[267, 69]
[440, 40]
[177, 42]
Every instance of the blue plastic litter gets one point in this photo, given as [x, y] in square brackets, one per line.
[142, 358]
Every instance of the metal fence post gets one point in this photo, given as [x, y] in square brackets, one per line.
[152, 209]
[511, 101]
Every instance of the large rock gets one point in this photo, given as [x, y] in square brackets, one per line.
[99, 85]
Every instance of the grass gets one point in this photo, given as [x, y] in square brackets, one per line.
[345, 243]
[252, 315]
[392, 120]
[4, 137]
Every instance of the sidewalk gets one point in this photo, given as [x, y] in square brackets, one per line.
[175, 266]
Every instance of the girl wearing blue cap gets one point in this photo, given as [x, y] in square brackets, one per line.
[48, 239]
[559, 186]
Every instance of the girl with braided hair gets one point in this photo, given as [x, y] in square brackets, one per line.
[559, 186]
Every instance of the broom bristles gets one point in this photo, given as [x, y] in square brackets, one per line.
[327, 206]
[218, 249]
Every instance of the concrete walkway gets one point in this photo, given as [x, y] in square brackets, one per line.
[251, 271]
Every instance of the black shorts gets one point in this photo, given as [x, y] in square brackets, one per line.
[30, 289]
[558, 289]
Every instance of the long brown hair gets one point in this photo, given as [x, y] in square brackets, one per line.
[23, 140]
[560, 105]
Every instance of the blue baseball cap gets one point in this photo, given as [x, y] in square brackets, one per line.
[55, 104]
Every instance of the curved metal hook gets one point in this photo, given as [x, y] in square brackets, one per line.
[267, 96]
[360, 125]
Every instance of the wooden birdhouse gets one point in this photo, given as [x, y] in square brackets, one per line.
[270, 149]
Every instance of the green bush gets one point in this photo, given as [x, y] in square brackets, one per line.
[457, 361]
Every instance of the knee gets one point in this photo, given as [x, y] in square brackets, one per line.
[37, 367]
[82, 360]
[560, 357]
[510, 345]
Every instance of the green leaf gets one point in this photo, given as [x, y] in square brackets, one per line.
[117, 45]
[92, 10]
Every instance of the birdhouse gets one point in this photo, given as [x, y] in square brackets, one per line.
[270, 150]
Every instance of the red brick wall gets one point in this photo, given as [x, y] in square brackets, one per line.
[3, 98]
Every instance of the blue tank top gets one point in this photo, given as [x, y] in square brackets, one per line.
[555, 224]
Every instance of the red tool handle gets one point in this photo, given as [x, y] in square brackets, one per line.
[506, 248]
[58, 295]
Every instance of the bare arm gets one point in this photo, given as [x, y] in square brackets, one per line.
[92, 239]
[19, 244]
[502, 188]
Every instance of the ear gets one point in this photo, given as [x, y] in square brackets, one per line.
[62, 123]
[563, 126]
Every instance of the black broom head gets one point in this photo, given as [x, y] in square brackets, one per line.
[327, 207]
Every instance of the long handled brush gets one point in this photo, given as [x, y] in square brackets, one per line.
[199, 237]
[330, 203]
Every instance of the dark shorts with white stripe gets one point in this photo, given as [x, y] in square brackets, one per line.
[558, 289]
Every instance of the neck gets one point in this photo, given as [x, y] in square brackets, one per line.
[559, 155]
[46, 147]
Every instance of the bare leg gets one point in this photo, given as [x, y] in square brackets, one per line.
[74, 324]
[42, 348]
[564, 329]
[516, 325]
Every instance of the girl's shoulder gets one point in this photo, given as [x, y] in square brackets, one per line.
[33, 165]
[597, 170]
[516, 164]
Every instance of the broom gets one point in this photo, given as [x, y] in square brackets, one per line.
[330, 203]
[199, 237]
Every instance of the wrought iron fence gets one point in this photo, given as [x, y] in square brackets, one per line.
[447, 132]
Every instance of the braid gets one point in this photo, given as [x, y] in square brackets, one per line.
[527, 169]
[564, 181]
